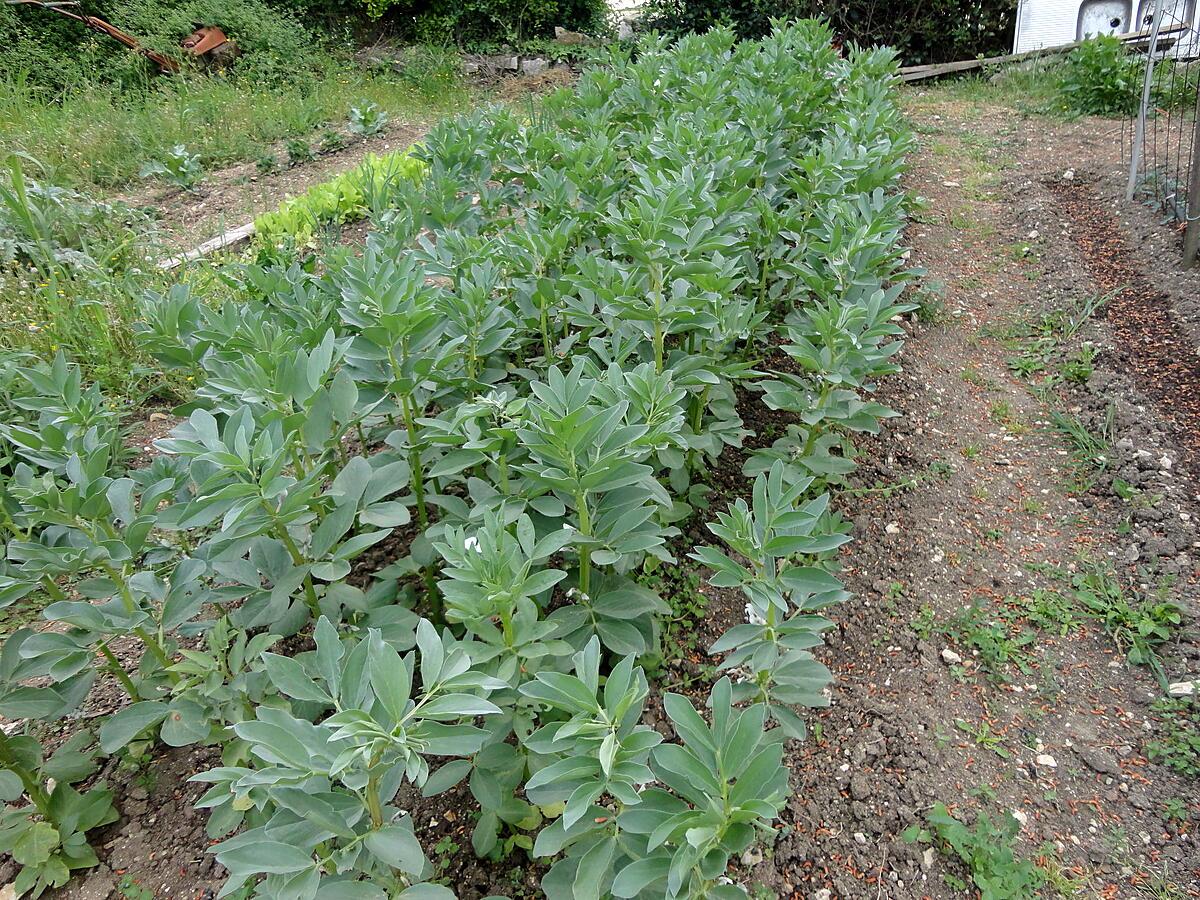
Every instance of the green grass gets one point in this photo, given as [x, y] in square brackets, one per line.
[1030, 88]
[99, 136]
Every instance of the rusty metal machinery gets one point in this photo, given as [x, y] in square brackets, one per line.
[208, 43]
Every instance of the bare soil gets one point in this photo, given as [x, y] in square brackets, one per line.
[234, 195]
[1022, 221]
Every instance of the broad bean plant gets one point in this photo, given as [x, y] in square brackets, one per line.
[391, 549]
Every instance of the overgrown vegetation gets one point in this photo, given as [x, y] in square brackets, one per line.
[277, 48]
[488, 24]
[939, 31]
[1101, 78]
[1178, 743]
[73, 272]
[93, 135]
[395, 538]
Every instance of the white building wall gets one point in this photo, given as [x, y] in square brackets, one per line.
[1052, 23]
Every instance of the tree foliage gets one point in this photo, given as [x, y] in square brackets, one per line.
[921, 31]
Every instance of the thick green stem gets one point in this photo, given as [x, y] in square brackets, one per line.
[118, 672]
[585, 552]
[374, 804]
[50, 586]
[436, 613]
[502, 465]
[696, 421]
[150, 641]
[417, 472]
[310, 589]
[472, 366]
[545, 326]
[656, 292]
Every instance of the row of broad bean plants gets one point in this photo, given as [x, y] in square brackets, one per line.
[515, 394]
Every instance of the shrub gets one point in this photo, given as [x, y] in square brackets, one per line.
[480, 24]
[1099, 78]
[934, 31]
[276, 47]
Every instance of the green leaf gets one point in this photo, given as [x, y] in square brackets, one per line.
[10, 785]
[313, 809]
[387, 514]
[186, 723]
[30, 703]
[450, 706]
[594, 869]
[390, 678]
[126, 724]
[426, 891]
[289, 677]
[349, 890]
[265, 858]
[639, 875]
[35, 845]
[432, 653]
[397, 846]
[446, 777]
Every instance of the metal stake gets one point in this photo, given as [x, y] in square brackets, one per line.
[1191, 236]
[1139, 133]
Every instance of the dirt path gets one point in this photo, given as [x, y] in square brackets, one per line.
[234, 195]
[967, 670]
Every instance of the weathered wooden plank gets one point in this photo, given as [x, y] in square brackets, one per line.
[230, 238]
[934, 70]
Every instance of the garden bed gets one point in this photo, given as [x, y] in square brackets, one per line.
[1022, 576]
[428, 496]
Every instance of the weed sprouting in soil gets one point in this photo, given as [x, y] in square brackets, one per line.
[1178, 745]
[986, 850]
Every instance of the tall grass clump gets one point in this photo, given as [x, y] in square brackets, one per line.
[99, 135]
[72, 270]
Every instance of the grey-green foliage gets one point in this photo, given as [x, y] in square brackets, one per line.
[45, 821]
[367, 119]
[512, 398]
[178, 167]
[318, 798]
[721, 785]
[781, 534]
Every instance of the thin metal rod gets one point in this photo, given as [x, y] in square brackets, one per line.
[1139, 134]
[1191, 236]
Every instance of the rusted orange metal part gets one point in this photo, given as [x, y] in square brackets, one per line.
[204, 40]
